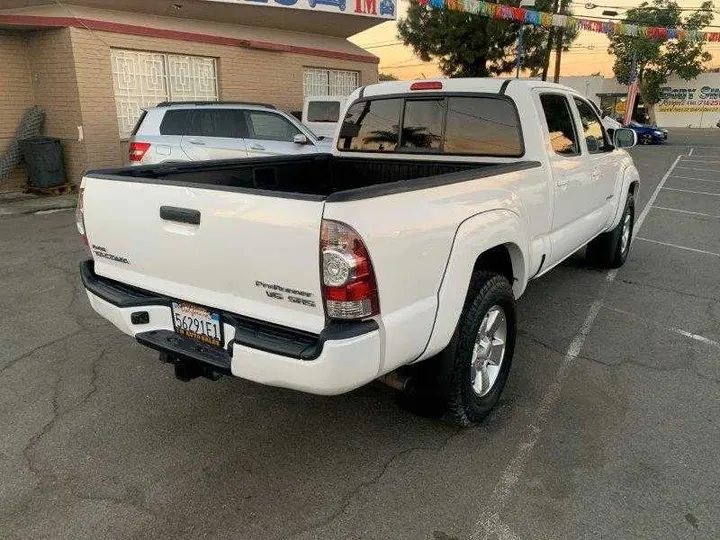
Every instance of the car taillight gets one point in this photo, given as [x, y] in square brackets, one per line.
[80, 216]
[137, 150]
[349, 286]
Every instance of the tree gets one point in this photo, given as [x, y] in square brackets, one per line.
[470, 45]
[387, 77]
[656, 59]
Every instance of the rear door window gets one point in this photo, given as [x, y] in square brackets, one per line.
[482, 126]
[371, 126]
[422, 124]
[229, 123]
[563, 137]
[323, 111]
[270, 127]
[175, 122]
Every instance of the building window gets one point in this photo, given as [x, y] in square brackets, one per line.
[329, 82]
[144, 79]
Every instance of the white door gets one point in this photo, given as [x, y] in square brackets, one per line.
[570, 178]
[603, 162]
[215, 133]
[271, 134]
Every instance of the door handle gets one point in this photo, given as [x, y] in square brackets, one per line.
[562, 182]
[257, 147]
[181, 215]
[197, 142]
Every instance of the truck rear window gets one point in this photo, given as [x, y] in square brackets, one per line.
[453, 125]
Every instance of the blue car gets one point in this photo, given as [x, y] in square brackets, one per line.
[648, 134]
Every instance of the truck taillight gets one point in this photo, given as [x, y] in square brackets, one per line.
[80, 215]
[137, 150]
[349, 286]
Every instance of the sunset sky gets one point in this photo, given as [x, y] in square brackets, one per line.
[588, 54]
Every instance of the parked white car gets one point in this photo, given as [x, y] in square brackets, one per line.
[400, 256]
[322, 114]
[201, 131]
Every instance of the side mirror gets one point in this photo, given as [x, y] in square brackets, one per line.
[624, 138]
[300, 138]
[592, 144]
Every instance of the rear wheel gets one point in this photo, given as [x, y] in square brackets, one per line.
[610, 249]
[465, 381]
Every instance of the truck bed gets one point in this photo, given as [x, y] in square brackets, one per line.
[317, 177]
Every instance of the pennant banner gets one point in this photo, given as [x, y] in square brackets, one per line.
[541, 18]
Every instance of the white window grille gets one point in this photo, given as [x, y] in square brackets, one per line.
[329, 82]
[144, 79]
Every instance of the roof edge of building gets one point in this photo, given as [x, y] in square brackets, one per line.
[40, 21]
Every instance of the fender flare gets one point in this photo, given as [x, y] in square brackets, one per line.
[629, 177]
[474, 236]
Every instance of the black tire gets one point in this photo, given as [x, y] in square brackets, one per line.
[442, 386]
[607, 250]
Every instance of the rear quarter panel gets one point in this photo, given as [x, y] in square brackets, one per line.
[410, 237]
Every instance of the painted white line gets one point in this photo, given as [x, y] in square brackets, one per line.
[676, 246]
[654, 196]
[700, 161]
[691, 151]
[691, 191]
[685, 211]
[696, 337]
[489, 524]
[696, 169]
[693, 178]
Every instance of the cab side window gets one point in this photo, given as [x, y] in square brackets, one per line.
[563, 138]
[593, 130]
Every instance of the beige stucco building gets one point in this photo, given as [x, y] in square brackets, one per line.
[92, 68]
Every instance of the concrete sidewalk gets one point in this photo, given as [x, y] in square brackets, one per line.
[14, 203]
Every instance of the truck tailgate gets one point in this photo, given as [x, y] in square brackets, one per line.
[254, 255]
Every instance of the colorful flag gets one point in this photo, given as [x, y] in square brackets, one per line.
[632, 92]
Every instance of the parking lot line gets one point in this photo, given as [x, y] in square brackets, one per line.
[691, 191]
[693, 178]
[700, 161]
[696, 169]
[695, 250]
[690, 153]
[686, 212]
[489, 521]
[680, 331]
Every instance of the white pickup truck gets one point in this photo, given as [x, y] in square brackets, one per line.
[398, 257]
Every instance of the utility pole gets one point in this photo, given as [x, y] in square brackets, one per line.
[548, 50]
[559, 46]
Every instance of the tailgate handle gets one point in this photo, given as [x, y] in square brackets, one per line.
[181, 215]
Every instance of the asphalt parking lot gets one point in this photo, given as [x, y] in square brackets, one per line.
[609, 426]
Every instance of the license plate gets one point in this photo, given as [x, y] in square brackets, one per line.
[198, 323]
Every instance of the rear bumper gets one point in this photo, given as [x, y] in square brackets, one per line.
[343, 357]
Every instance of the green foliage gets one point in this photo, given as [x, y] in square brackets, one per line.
[387, 77]
[657, 60]
[468, 45]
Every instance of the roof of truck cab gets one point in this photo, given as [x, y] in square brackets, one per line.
[491, 85]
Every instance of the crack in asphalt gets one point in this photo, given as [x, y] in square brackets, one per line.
[688, 367]
[659, 369]
[57, 414]
[350, 496]
[29, 353]
[668, 289]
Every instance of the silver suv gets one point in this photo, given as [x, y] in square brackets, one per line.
[198, 131]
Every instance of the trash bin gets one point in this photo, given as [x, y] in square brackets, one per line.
[44, 161]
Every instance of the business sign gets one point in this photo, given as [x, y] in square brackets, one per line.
[705, 98]
[384, 9]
